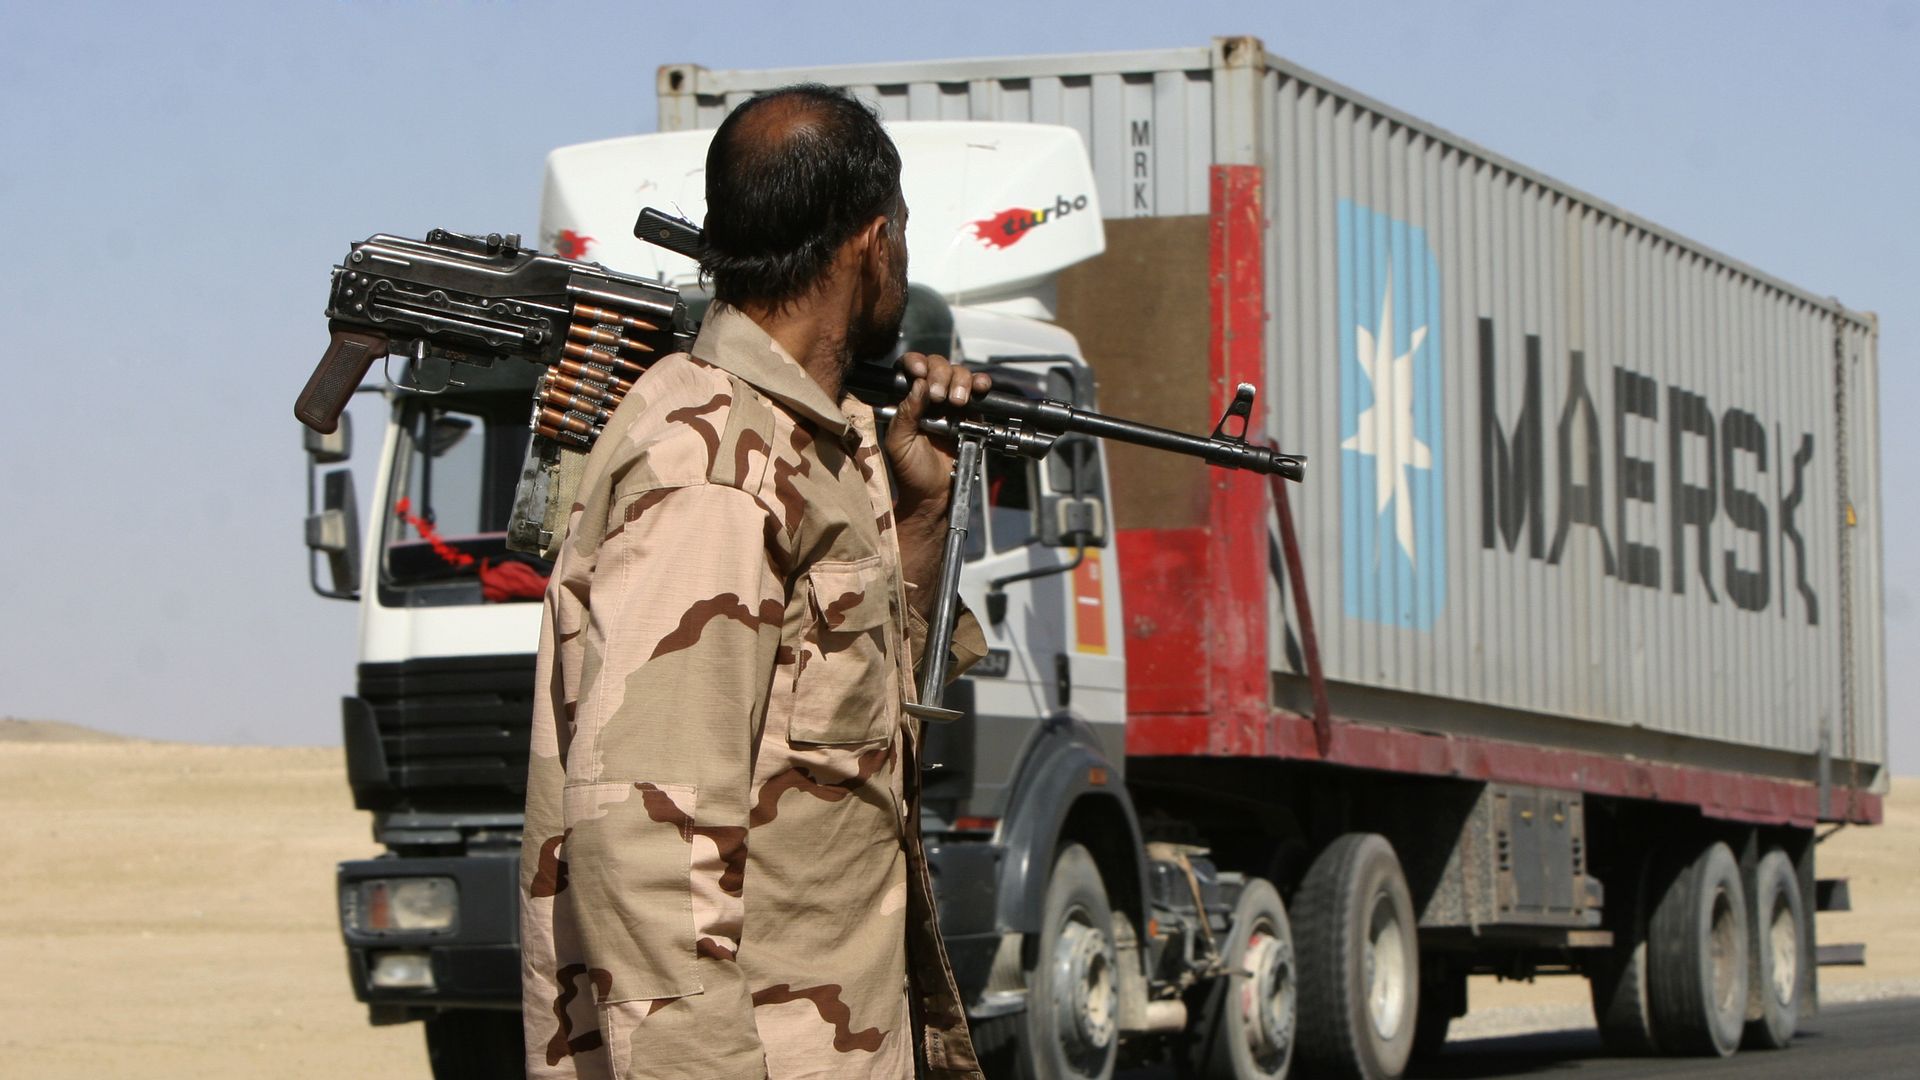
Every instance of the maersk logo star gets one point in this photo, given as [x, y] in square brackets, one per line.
[1386, 428]
[1393, 514]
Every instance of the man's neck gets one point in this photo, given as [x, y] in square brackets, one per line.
[814, 334]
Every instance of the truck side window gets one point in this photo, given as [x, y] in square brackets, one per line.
[452, 492]
[1009, 501]
[446, 473]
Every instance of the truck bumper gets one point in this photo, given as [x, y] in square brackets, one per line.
[474, 962]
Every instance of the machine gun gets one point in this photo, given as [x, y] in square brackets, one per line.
[473, 300]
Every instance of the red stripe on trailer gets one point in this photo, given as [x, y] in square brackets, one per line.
[1727, 795]
[1237, 532]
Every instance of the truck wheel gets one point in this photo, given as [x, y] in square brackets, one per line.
[1246, 1028]
[1697, 957]
[1359, 961]
[1618, 977]
[1070, 1029]
[1778, 952]
[476, 1044]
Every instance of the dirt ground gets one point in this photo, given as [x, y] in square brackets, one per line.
[167, 910]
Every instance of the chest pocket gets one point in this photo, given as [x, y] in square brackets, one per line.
[843, 681]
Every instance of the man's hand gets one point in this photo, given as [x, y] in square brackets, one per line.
[923, 468]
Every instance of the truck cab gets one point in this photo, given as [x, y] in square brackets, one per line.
[436, 732]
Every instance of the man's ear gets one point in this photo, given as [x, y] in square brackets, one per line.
[871, 242]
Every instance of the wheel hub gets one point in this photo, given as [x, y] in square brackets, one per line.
[1084, 988]
[1384, 968]
[1266, 996]
[1784, 939]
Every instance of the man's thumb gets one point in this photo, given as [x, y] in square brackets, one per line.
[906, 421]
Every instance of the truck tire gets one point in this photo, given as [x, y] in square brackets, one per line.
[1359, 961]
[1779, 952]
[1070, 1028]
[1617, 977]
[1697, 957]
[476, 1044]
[1249, 1017]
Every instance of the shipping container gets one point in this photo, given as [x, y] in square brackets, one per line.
[1578, 483]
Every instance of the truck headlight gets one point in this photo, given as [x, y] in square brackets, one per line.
[387, 905]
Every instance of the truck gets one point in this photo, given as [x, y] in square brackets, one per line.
[1556, 664]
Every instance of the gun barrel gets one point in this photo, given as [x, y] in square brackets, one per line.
[879, 386]
[1226, 453]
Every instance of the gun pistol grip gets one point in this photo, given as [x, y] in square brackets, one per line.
[347, 359]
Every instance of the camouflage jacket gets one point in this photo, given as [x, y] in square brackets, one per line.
[723, 874]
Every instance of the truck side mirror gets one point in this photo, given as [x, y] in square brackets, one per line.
[330, 449]
[1078, 522]
[335, 532]
[445, 433]
[1077, 517]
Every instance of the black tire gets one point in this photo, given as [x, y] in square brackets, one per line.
[1069, 1030]
[1618, 977]
[1779, 953]
[476, 1044]
[1697, 957]
[1359, 959]
[997, 1043]
[1246, 1027]
[1443, 996]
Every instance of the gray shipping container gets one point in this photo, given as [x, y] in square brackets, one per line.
[1576, 480]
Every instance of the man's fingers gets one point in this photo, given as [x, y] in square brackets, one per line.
[946, 381]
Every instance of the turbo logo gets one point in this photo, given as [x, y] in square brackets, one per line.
[1008, 227]
[571, 245]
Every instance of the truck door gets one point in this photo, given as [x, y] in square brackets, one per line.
[1015, 687]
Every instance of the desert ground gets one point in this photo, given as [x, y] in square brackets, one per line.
[167, 910]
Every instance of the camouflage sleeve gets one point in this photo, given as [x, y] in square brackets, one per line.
[688, 605]
[969, 643]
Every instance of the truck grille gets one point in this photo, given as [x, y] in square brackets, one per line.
[456, 728]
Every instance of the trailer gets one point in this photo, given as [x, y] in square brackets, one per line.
[1553, 666]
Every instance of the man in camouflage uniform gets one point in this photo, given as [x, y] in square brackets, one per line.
[722, 874]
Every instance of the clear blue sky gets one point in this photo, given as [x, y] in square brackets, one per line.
[177, 178]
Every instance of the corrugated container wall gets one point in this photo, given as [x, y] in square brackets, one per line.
[1576, 480]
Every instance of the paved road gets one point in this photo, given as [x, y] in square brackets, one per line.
[1845, 1042]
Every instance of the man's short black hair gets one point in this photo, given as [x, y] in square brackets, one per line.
[792, 175]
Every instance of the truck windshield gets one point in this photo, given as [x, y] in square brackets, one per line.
[444, 524]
